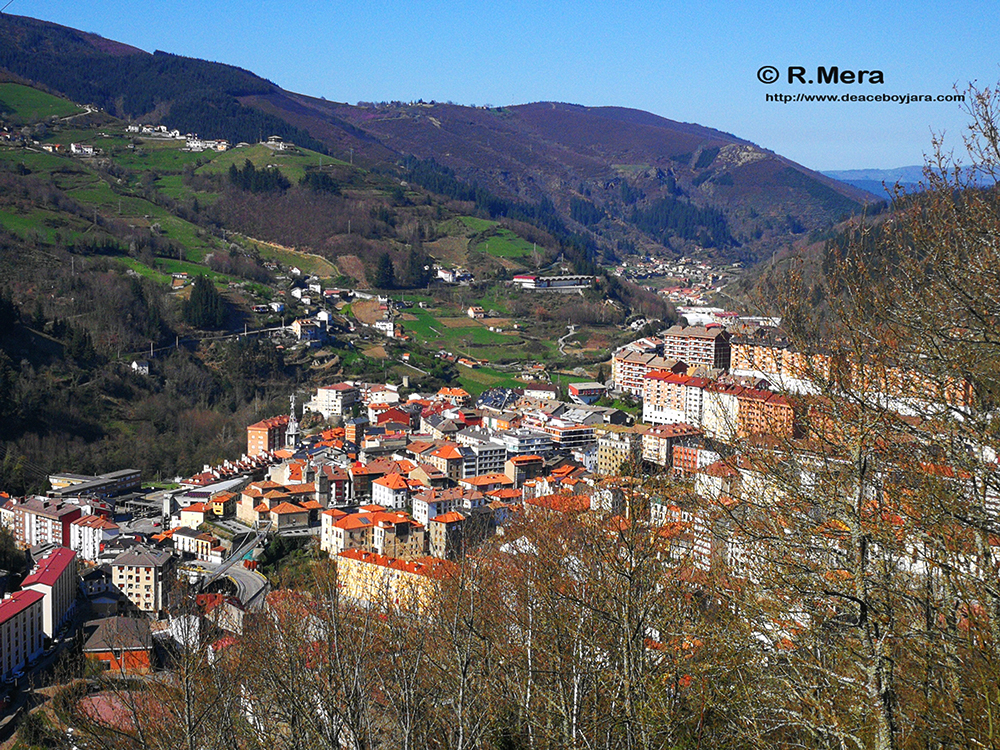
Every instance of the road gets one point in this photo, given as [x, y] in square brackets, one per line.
[562, 340]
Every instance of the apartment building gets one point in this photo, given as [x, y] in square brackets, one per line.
[334, 400]
[629, 367]
[707, 346]
[266, 435]
[144, 576]
[88, 534]
[377, 580]
[615, 449]
[669, 398]
[21, 630]
[55, 578]
[659, 442]
[40, 520]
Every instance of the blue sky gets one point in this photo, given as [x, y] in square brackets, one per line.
[693, 62]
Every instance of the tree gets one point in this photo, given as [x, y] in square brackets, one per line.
[206, 308]
[384, 275]
[867, 543]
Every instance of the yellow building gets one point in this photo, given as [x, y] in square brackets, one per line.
[379, 580]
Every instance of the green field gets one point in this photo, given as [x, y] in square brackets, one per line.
[484, 378]
[26, 105]
[292, 164]
[306, 262]
[475, 224]
[146, 271]
[161, 156]
[503, 243]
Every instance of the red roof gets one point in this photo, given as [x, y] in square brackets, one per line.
[18, 602]
[50, 567]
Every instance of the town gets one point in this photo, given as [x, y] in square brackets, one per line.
[397, 490]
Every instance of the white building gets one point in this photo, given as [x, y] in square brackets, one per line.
[21, 620]
[88, 534]
[391, 491]
[334, 400]
[54, 577]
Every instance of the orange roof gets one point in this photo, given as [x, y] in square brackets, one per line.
[447, 452]
[195, 508]
[505, 493]
[284, 508]
[483, 479]
[451, 517]
[561, 503]
[355, 521]
[312, 504]
[524, 459]
[393, 482]
[427, 566]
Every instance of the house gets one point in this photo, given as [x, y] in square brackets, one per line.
[289, 516]
[194, 515]
[121, 645]
[140, 366]
[476, 312]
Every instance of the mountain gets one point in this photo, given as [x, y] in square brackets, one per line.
[605, 181]
[880, 181]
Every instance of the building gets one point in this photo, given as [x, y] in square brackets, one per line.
[522, 441]
[707, 346]
[617, 448]
[553, 283]
[586, 393]
[112, 484]
[523, 468]
[36, 521]
[121, 644]
[54, 576]
[144, 576]
[21, 630]
[631, 363]
[669, 398]
[377, 580]
[391, 491]
[88, 534]
[432, 503]
[378, 531]
[334, 400]
[733, 412]
[659, 442]
[202, 546]
[267, 435]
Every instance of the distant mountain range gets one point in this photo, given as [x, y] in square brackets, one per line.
[880, 181]
[618, 180]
